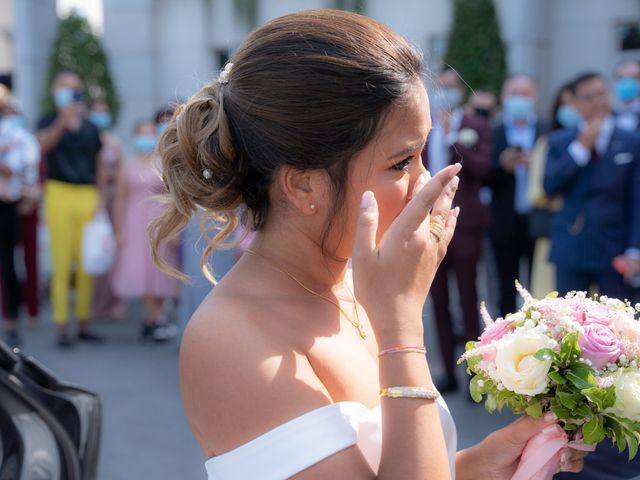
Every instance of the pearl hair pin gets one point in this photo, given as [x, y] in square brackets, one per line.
[206, 173]
[223, 78]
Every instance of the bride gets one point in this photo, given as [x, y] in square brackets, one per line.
[295, 365]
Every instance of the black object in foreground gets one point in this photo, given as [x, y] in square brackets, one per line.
[50, 429]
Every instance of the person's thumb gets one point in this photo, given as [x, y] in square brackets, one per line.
[366, 228]
[522, 430]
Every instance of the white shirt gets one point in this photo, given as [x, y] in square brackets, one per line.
[579, 152]
[628, 116]
[20, 152]
[439, 143]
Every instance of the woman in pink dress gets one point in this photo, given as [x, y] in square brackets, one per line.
[135, 276]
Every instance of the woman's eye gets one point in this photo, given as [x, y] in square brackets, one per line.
[403, 166]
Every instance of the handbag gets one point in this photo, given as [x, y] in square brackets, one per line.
[98, 245]
[50, 429]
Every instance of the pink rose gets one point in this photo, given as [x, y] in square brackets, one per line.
[496, 331]
[597, 313]
[550, 307]
[599, 344]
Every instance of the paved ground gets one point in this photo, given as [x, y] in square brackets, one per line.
[145, 432]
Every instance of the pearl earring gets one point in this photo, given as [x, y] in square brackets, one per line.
[312, 206]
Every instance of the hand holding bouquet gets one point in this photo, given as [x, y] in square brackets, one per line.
[574, 356]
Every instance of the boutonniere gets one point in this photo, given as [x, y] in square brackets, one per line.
[468, 137]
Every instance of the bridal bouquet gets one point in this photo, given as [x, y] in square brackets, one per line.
[574, 356]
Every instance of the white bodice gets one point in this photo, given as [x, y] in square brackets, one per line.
[306, 440]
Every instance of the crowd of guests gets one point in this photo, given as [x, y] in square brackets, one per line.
[71, 169]
[555, 205]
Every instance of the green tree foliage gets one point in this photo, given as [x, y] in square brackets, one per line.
[247, 10]
[77, 48]
[475, 45]
[358, 6]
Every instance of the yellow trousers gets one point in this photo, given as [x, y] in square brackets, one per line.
[68, 208]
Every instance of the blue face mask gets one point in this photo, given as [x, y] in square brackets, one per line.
[568, 116]
[627, 89]
[102, 120]
[17, 121]
[161, 127]
[144, 143]
[64, 97]
[518, 107]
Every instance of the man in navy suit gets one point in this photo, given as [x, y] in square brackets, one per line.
[596, 169]
[513, 140]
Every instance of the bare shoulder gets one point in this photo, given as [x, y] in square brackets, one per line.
[238, 377]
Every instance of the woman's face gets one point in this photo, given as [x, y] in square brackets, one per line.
[389, 166]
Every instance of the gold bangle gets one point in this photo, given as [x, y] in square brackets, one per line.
[410, 392]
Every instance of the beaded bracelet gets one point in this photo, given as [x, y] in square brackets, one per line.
[410, 392]
[403, 349]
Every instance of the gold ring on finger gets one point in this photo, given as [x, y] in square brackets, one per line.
[436, 230]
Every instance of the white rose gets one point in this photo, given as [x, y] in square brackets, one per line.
[517, 368]
[627, 384]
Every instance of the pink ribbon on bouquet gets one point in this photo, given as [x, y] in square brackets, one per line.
[540, 458]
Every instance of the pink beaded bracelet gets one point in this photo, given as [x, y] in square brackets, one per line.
[403, 349]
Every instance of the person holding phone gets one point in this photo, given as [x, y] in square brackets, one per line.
[70, 143]
[513, 141]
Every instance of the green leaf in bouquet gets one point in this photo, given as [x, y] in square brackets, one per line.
[545, 353]
[470, 345]
[620, 438]
[581, 375]
[557, 377]
[603, 398]
[627, 433]
[553, 294]
[474, 389]
[560, 411]
[490, 404]
[568, 400]
[610, 397]
[534, 410]
[570, 426]
[632, 445]
[569, 347]
[582, 411]
[472, 363]
[593, 430]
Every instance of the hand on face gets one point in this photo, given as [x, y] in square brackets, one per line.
[393, 278]
[589, 135]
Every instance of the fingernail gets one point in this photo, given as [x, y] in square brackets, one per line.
[368, 200]
[564, 459]
[455, 181]
[550, 417]
[456, 212]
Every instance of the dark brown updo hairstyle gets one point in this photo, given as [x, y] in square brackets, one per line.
[308, 90]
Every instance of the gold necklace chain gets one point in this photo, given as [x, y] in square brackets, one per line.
[357, 323]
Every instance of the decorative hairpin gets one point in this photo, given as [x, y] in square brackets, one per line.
[206, 173]
[224, 74]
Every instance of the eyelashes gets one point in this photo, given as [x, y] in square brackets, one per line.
[403, 166]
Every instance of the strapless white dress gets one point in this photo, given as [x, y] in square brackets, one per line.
[304, 441]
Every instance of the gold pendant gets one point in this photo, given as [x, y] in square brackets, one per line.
[363, 334]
